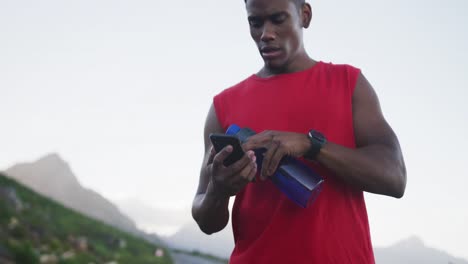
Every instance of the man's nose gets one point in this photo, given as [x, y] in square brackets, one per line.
[268, 33]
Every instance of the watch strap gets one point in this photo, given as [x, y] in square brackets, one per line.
[317, 140]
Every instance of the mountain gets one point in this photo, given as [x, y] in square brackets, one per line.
[413, 250]
[191, 238]
[188, 242]
[51, 176]
[148, 218]
[36, 229]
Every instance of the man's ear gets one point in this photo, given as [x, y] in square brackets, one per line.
[306, 11]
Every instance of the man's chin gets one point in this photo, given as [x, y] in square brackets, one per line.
[275, 66]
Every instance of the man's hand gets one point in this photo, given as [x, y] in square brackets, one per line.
[227, 181]
[278, 144]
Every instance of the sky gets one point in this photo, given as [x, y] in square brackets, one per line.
[121, 89]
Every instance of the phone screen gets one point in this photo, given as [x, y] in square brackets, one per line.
[220, 141]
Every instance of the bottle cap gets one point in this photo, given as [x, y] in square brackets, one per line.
[233, 129]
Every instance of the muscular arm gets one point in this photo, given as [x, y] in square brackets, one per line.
[210, 209]
[376, 165]
[217, 183]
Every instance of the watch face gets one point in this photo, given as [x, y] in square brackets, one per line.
[317, 135]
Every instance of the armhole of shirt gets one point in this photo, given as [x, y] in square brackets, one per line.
[218, 107]
[353, 75]
[222, 104]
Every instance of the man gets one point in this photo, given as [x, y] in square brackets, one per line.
[327, 115]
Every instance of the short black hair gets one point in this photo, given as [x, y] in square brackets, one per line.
[298, 3]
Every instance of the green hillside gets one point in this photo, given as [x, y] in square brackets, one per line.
[35, 229]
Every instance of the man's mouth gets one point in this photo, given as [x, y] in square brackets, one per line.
[270, 52]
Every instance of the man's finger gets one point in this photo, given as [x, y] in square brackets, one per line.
[272, 148]
[222, 155]
[249, 145]
[253, 172]
[240, 164]
[245, 173]
[257, 141]
[212, 155]
[275, 160]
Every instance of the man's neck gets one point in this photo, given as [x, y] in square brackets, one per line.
[300, 63]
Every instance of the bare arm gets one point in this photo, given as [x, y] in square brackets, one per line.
[217, 182]
[376, 165]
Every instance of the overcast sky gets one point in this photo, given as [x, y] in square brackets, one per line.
[120, 89]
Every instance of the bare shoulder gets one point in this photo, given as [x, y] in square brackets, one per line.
[212, 125]
[370, 126]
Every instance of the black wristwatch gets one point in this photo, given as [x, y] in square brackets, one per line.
[317, 141]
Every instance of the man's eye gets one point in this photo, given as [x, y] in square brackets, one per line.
[278, 19]
[255, 23]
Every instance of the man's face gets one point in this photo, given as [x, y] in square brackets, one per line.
[276, 28]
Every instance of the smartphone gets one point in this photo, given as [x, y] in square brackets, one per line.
[220, 141]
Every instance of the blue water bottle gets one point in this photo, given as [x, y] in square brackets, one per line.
[295, 179]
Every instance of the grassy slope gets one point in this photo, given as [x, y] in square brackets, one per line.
[44, 227]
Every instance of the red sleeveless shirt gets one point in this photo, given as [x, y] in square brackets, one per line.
[268, 227]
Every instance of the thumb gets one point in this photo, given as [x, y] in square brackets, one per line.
[222, 155]
[211, 157]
